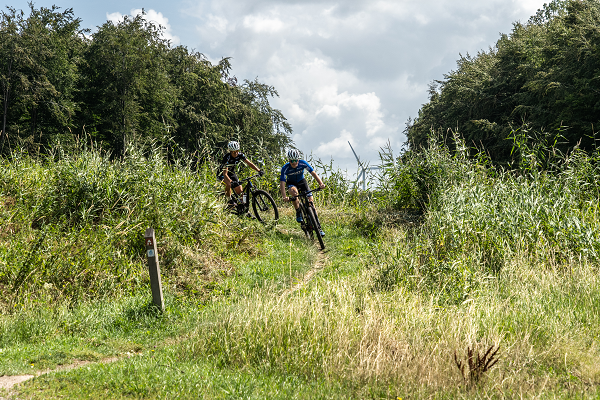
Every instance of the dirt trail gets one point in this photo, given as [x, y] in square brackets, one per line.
[317, 267]
[8, 381]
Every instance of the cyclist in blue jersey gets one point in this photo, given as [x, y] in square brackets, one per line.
[292, 175]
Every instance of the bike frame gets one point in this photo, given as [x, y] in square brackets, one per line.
[307, 225]
[247, 190]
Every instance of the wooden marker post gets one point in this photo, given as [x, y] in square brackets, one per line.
[154, 269]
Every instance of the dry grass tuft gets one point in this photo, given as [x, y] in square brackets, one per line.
[478, 365]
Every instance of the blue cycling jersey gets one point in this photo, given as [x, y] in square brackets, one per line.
[294, 175]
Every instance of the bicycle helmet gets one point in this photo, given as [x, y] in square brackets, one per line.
[293, 154]
[233, 146]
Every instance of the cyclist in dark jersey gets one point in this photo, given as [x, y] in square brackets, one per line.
[229, 163]
[292, 175]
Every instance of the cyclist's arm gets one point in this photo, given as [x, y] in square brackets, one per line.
[251, 165]
[282, 190]
[319, 181]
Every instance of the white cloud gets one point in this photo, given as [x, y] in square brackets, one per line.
[354, 69]
[329, 110]
[338, 146]
[217, 23]
[261, 23]
[369, 104]
[527, 7]
[151, 16]
[115, 17]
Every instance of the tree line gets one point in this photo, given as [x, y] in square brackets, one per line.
[541, 81]
[123, 83]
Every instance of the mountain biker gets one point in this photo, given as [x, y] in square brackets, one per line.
[229, 163]
[292, 174]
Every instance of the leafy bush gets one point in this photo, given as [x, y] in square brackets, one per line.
[528, 76]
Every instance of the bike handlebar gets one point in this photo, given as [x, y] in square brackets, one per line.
[304, 194]
[248, 178]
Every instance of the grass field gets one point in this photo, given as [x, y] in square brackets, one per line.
[499, 261]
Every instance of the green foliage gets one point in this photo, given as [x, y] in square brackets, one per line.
[38, 73]
[478, 218]
[415, 178]
[124, 84]
[71, 223]
[497, 256]
[543, 74]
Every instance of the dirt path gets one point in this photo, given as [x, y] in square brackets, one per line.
[317, 267]
[8, 381]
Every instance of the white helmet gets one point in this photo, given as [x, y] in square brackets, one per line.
[293, 154]
[233, 146]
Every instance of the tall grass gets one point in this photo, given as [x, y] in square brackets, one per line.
[499, 257]
[495, 257]
[346, 332]
[72, 223]
[478, 218]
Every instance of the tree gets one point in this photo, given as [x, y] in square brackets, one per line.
[38, 61]
[13, 57]
[125, 83]
[213, 109]
[544, 74]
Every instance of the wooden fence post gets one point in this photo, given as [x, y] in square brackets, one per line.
[154, 269]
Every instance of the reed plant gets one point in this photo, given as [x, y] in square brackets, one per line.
[479, 217]
[72, 223]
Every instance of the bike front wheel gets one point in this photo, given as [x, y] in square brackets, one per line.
[313, 221]
[264, 207]
[306, 225]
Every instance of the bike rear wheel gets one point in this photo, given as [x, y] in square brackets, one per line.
[313, 221]
[264, 207]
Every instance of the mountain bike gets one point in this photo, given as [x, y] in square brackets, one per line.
[263, 205]
[310, 221]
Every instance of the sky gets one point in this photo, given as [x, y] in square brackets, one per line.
[346, 71]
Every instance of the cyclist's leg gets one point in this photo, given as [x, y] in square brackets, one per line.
[235, 184]
[294, 193]
[227, 182]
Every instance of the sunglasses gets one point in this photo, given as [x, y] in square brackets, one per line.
[292, 161]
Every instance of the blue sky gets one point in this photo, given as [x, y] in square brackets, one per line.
[351, 70]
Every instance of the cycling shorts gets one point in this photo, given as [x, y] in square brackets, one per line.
[302, 186]
[235, 181]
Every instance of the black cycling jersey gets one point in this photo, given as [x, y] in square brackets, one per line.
[230, 162]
